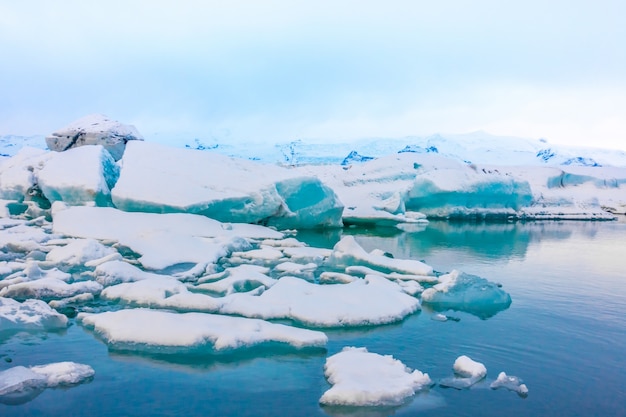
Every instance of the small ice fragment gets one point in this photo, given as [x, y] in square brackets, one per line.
[467, 373]
[511, 383]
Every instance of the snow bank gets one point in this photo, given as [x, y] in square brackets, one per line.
[49, 288]
[244, 191]
[29, 315]
[361, 378]
[469, 293]
[192, 332]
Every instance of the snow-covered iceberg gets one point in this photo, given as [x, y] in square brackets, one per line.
[135, 330]
[223, 188]
[78, 176]
[362, 378]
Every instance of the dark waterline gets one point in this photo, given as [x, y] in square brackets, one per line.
[564, 334]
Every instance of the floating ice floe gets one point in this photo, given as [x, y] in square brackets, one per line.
[362, 378]
[161, 292]
[78, 252]
[49, 288]
[467, 373]
[20, 384]
[364, 302]
[29, 315]
[347, 252]
[242, 278]
[468, 293]
[512, 383]
[162, 240]
[245, 191]
[193, 332]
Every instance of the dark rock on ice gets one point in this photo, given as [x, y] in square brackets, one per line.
[95, 129]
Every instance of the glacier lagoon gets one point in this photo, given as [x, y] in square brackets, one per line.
[563, 334]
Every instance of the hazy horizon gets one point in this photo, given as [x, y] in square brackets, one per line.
[275, 71]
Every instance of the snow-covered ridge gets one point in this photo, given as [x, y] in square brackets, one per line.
[477, 147]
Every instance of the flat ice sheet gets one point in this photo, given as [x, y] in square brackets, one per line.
[135, 329]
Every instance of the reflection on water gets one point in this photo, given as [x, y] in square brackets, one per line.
[564, 335]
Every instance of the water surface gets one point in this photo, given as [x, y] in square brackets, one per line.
[564, 335]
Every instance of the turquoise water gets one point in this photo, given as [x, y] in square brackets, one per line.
[564, 335]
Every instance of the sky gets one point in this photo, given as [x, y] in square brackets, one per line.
[263, 70]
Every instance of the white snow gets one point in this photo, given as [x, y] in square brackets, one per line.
[135, 329]
[364, 302]
[161, 292]
[49, 288]
[29, 315]
[20, 381]
[64, 373]
[78, 252]
[361, 378]
[162, 239]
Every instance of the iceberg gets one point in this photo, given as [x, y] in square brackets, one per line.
[79, 176]
[467, 373]
[361, 378]
[469, 293]
[134, 330]
[244, 191]
[29, 315]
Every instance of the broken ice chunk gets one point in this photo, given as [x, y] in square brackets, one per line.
[361, 378]
[467, 373]
[19, 384]
[511, 383]
[347, 252]
[29, 315]
[469, 293]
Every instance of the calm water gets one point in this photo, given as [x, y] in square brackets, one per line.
[564, 335]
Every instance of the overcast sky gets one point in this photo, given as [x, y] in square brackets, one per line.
[280, 70]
